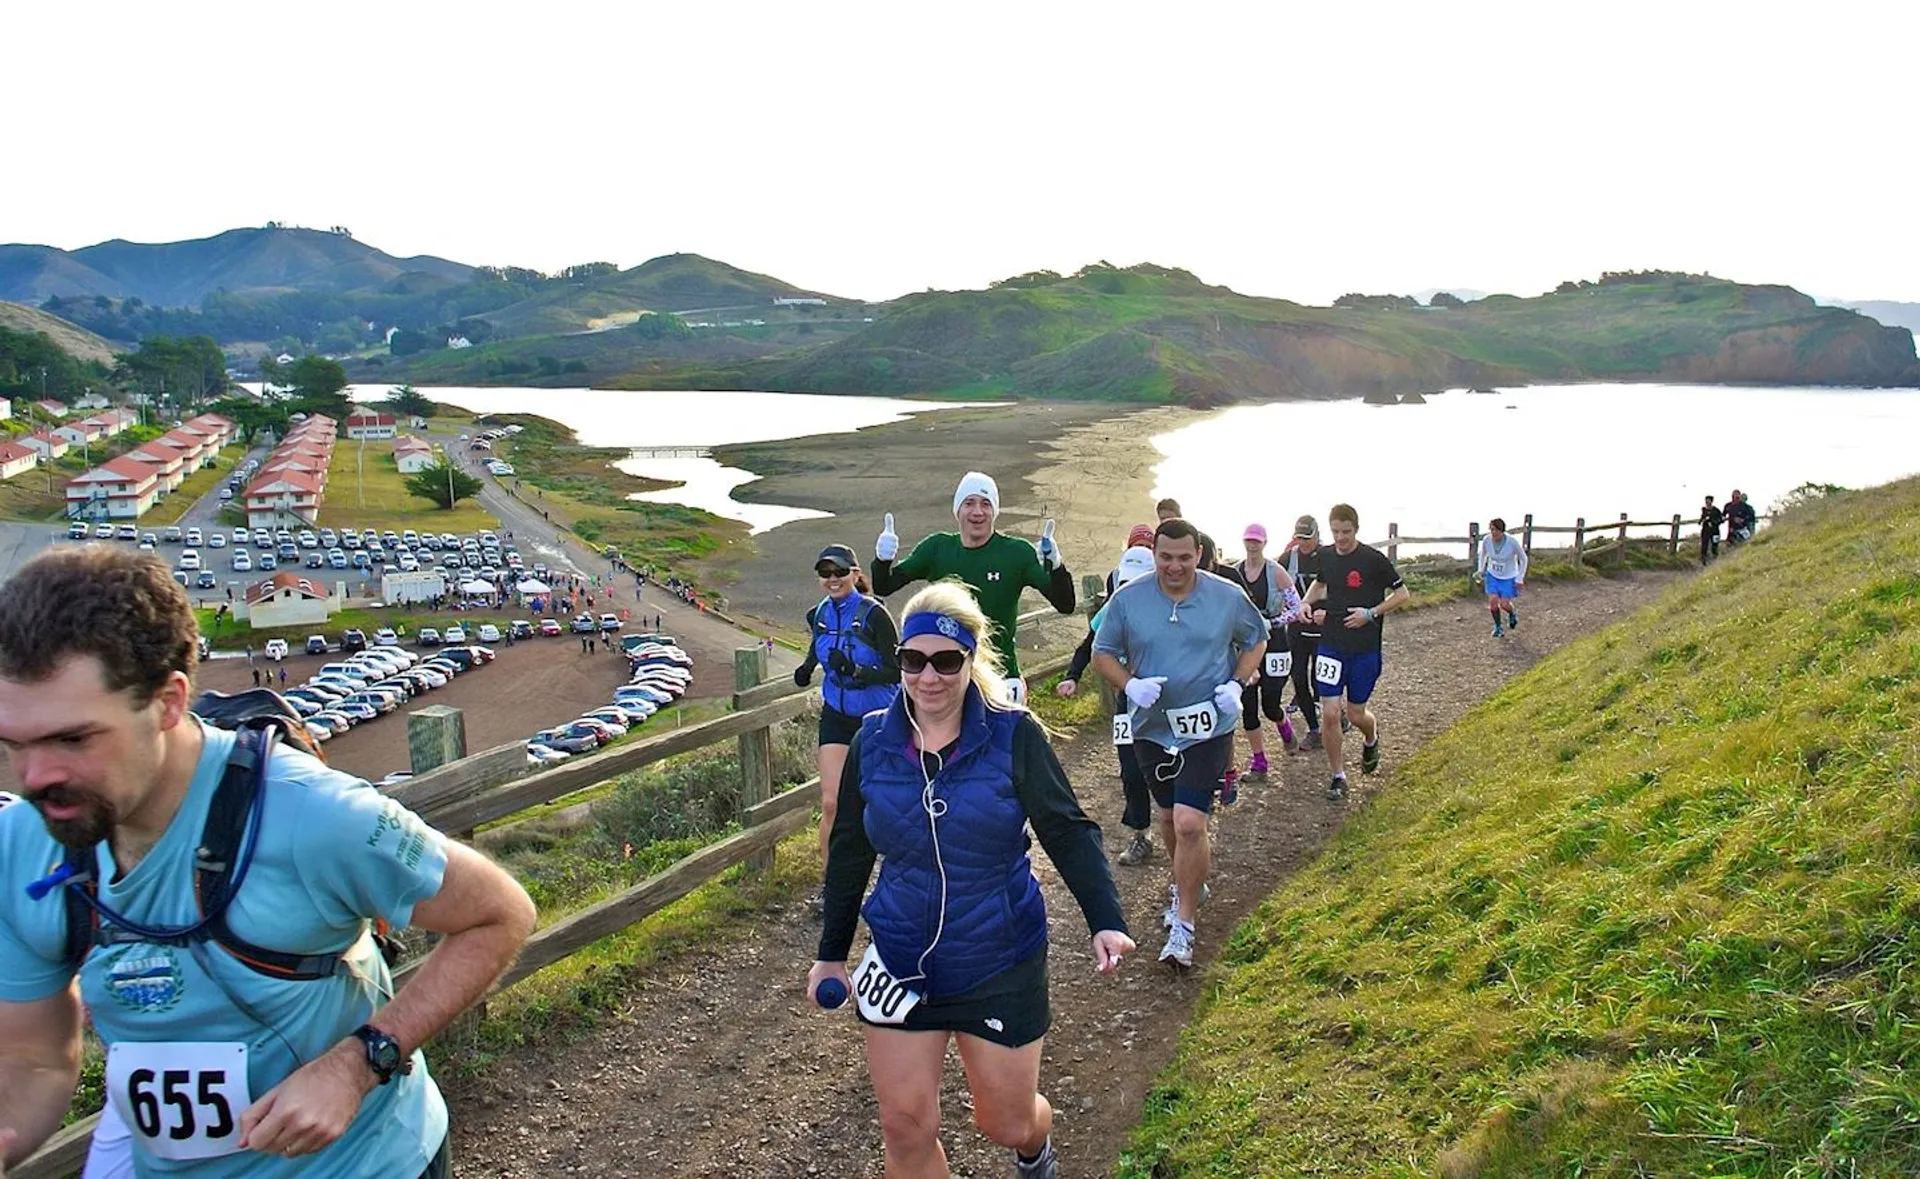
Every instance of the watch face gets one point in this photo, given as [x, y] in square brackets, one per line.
[386, 1054]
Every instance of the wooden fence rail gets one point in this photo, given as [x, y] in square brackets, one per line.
[1580, 530]
[494, 784]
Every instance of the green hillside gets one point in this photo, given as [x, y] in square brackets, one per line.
[674, 282]
[1155, 334]
[72, 339]
[1649, 911]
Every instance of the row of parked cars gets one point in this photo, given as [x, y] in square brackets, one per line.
[662, 673]
[368, 685]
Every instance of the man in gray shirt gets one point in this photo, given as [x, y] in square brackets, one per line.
[1180, 646]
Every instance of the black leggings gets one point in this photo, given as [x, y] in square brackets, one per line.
[1263, 697]
[1138, 815]
[1304, 648]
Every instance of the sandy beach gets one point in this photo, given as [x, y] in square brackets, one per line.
[1088, 466]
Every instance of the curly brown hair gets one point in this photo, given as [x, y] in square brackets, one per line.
[122, 608]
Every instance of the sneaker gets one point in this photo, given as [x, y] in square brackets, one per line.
[1179, 947]
[1287, 737]
[1337, 788]
[1370, 757]
[1047, 1166]
[1172, 915]
[1139, 851]
[1513, 621]
[1230, 788]
[1497, 632]
[817, 903]
[1257, 768]
[1311, 742]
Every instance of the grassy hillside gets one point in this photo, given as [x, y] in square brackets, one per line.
[1647, 912]
[674, 282]
[72, 338]
[1154, 334]
[178, 274]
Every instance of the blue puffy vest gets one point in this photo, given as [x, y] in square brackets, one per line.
[995, 914]
[842, 625]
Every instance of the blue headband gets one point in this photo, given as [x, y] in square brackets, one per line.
[944, 625]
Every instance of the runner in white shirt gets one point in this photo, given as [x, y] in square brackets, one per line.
[1502, 565]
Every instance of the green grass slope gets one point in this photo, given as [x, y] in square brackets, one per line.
[673, 282]
[1148, 333]
[1650, 911]
[72, 338]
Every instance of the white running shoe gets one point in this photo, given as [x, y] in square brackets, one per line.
[1179, 947]
[1173, 902]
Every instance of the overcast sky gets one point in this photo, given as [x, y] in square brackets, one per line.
[1297, 150]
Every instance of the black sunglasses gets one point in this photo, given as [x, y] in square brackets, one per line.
[831, 571]
[914, 662]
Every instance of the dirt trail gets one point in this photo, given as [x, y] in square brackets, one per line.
[719, 1067]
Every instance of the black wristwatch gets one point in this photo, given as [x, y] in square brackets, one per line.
[384, 1056]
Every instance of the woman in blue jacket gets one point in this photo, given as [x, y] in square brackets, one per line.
[942, 785]
[852, 636]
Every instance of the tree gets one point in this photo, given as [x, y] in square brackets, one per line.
[253, 416]
[409, 400]
[185, 371]
[1445, 299]
[319, 386]
[407, 342]
[444, 483]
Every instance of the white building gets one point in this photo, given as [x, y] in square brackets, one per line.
[411, 587]
[288, 599]
[16, 459]
[368, 426]
[6, 408]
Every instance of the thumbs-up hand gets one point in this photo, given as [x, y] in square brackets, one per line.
[887, 547]
[1049, 551]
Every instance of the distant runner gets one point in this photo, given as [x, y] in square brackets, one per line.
[1303, 633]
[1710, 518]
[1181, 646]
[1358, 586]
[994, 565]
[1741, 519]
[1502, 565]
[1271, 590]
[1135, 563]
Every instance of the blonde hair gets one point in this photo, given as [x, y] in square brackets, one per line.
[952, 598]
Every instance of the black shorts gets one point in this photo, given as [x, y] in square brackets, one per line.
[1009, 1009]
[1189, 777]
[836, 727]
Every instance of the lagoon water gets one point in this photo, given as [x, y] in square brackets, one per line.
[657, 420]
[1556, 451]
[1559, 452]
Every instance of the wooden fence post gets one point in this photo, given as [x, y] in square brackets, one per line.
[1579, 540]
[1093, 588]
[756, 747]
[1620, 554]
[1393, 543]
[436, 736]
[1673, 540]
[1526, 532]
[1473, 545]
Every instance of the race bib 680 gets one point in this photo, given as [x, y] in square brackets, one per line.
[882, 997]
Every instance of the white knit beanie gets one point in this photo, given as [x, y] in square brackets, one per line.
[974, 483]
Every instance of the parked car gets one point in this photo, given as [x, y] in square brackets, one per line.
[611, 731]
[488, 633]
[570, 738]
[316, 644]
[628, 715]
[320, 733]
[541, 756]
[428, 636]
[174, 533]
[354, 639]
[205, 579]
[357, 712]
[551, 628]
[242, 561]
[385, 637]
[267, 563]
[217, 540]
[583, 624]
[609, 623]
[193, 538]
[276, 649]
[454, 634]
[78, 530]
[652, 694]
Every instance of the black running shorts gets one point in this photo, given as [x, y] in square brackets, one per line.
[1009, 1009]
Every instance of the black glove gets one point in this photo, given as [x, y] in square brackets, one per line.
[841, 663]
[802, 675]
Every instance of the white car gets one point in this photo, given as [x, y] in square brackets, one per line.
[193, 538]
[385, 637]
[276, 649]
[453, 635]
[242, 561]
[217, 541]
[489, 633]
[190, 560]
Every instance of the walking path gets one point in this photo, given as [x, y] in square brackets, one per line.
[718, 1067]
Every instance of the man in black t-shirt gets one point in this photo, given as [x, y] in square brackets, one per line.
[1710, 517]
[1357, 586]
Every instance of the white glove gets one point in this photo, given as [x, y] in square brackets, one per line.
[887, 547]
[1226, 698]
[1049, 552]
[1142, 691]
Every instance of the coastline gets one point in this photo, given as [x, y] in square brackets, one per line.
[1086, 465]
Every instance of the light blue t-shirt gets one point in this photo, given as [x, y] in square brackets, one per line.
[333, 853]
[1195, 644]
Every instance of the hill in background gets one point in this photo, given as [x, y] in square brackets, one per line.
[1157, 334]
[679, 283]
[71, 338]
[1905, 315]
[182, 274]
[1648, 911]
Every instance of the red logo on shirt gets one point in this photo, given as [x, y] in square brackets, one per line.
[1353, 579]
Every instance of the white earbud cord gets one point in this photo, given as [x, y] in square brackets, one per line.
[935, 808]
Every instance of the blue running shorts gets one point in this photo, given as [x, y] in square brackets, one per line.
[1345, 673]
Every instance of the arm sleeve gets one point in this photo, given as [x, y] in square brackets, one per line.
[1082, 656]
[1072, 839]
[850, 857]
[891, 576]
[808, 662]
[381, 859]
[1059, 588]
[1480, 556]
[1520, 557]
[885, 638]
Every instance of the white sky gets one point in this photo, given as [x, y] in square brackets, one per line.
[1291, 149]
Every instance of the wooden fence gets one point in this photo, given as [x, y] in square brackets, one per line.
[494, 785]
[1611, 534]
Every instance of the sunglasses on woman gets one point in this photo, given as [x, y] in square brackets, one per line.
[831, 570]
[914, 662]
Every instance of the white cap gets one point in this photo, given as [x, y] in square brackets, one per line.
[974, 483]
[1135, 563]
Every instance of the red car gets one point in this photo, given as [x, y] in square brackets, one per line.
[551, 628]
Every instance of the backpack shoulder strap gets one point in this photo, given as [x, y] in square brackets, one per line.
[235, 801]
[83, 921]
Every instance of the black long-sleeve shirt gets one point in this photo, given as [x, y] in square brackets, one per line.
[1072, 841]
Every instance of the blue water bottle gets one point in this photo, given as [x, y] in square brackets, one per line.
[830, 994]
